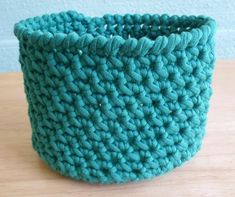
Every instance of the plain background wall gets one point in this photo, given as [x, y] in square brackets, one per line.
[11, 11]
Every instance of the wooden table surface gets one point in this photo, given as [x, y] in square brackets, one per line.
[210, 173]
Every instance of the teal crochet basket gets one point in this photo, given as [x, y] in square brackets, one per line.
[116, 98]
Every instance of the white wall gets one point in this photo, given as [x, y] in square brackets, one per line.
[11, 11]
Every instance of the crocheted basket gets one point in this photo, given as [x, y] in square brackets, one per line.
[117, 98]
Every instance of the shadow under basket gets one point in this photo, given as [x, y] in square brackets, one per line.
[116, 98]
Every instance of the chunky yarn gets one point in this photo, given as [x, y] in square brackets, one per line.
[117, 98]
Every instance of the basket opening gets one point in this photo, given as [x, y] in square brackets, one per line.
[127, 26]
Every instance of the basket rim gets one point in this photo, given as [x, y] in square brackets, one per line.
[116, 43]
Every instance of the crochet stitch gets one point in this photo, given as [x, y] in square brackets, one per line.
[117, 98]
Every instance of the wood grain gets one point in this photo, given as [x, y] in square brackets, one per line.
[210, 173]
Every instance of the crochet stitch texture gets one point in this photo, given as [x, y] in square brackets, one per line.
[116, 98]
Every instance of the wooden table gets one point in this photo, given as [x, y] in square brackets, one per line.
[210, 173]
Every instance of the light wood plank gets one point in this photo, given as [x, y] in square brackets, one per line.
[210, 173]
